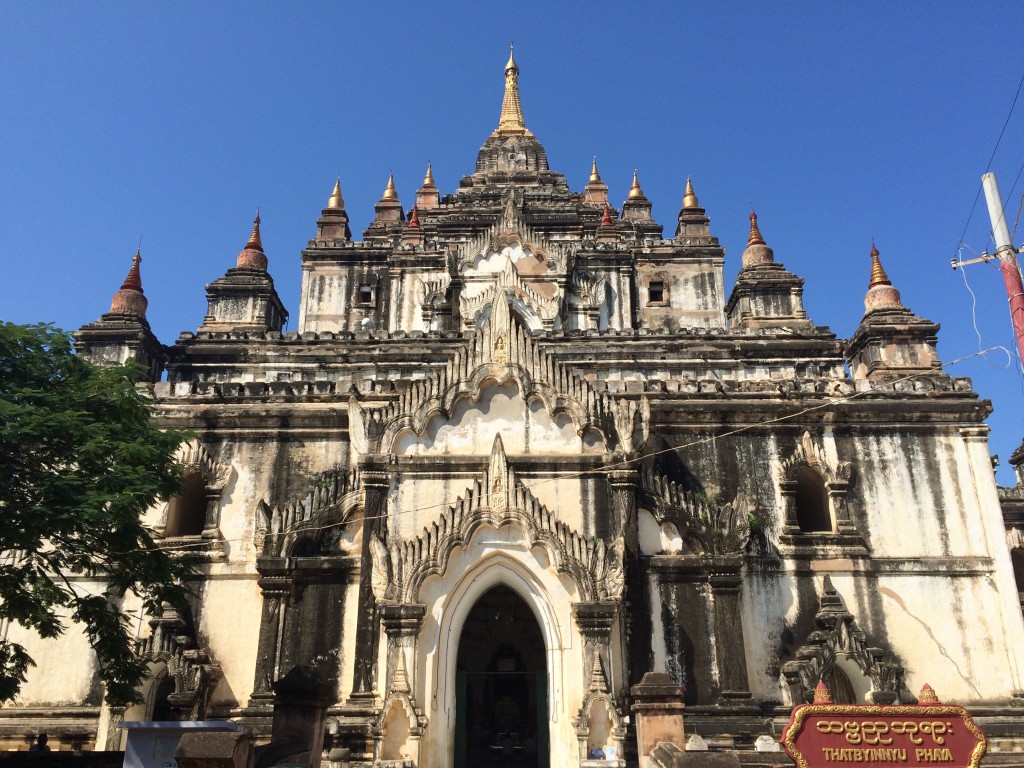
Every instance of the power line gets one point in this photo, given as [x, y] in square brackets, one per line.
[992, 157]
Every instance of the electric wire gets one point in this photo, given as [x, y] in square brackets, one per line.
[992, 157]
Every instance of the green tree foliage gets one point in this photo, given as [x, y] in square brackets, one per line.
[80, 461]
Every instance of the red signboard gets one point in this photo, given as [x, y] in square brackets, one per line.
[931, 735]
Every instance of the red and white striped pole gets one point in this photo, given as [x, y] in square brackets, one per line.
[1007, 258]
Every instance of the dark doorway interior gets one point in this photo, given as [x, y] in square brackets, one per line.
[501, 686]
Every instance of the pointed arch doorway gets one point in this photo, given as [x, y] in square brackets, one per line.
[501, 707]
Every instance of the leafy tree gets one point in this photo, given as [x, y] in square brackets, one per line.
[80, 461]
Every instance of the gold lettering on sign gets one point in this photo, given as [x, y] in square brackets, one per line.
[874, 732]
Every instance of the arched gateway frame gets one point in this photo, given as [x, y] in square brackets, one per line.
[452, 608]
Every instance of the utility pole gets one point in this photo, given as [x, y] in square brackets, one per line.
[1007, 256]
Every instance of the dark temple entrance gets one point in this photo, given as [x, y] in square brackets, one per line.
[501, 718]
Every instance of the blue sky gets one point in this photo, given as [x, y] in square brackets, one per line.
[837, 122]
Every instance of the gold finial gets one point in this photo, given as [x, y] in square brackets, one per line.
[390, 193]
[927, 695]
[755, 233]
[337, 201]
[878, 276]
[689, 198]
[595, 177]
[255, 244]
[428, 180]
[635, 191]
[511, 63]
[822, 695]
[511, 121]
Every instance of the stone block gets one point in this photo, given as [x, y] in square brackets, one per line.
[215, 749]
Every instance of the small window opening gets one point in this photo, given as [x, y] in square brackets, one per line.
[1017, 558]
[812, 511]
[186, 513]
[656, 292]
[366, 294]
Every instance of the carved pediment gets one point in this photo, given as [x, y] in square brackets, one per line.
[837, 634]
[703, 525]
[497, 499]
[318, 516]
[194, 457]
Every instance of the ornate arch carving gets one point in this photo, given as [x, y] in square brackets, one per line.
[172, 641]
[704, 525]
[319, 515]
[500, 350]
[837, 634]
[497, 499]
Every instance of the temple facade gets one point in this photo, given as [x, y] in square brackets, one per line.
[523, 448]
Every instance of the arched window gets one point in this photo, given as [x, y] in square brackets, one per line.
[161, 701]
[811, 499]
[839, 684]
[186, 512]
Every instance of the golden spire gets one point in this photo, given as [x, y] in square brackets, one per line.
[337, 201]
[255, 244]
[390, 193]
[755, 233]
[428, 180]
[878, 276]
[511, 121]
[635, 191]
[689, 198]
[595, 177]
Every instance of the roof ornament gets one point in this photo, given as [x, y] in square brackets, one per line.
[878, 276]
[414, 218]
[757, 251]
[337, 202]
[606, 217]
[511, 122]
[130, 298]
[882, 294]
[390, 193]
[252, 255]
[595, 177]
[755, 233]
[689, 198]
[634, 191]
[133, 281]
[428, 180]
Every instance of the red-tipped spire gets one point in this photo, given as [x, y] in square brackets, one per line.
[414, 218]
[133, 282]
[606, 217]
[130, 299]
[252, 256]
